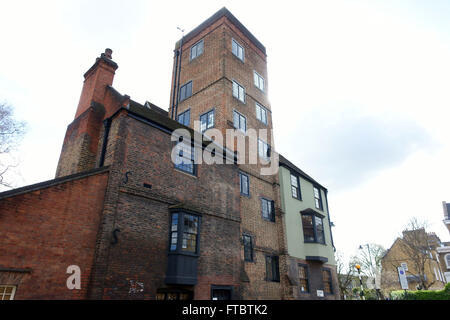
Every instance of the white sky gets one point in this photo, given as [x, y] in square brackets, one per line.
[359, 91]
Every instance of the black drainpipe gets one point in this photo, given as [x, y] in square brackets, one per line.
[179, 72]
[175, 82]
[107, 125]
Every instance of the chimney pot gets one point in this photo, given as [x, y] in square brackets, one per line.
[108, 53]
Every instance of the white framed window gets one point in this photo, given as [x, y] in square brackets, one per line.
[7, 292]
[196, 50]
[261, 113]
[318, 198]
[237, 49]
[238, 91]
[258, 80]
[239, 121]
[207, 120]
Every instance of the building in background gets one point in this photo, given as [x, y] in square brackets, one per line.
[444, 250]
[421, 266]
[139, 226]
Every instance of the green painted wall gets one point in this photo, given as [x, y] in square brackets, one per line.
[294, 229]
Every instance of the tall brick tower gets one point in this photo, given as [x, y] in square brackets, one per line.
[221, 81]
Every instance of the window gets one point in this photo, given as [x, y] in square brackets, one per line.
[184, 232]
[303, 278]
[295, 187]
[207, 120]
[185, 117]
[185, 157]
[318, 199]
[447, 260]
[239, 121]
[272, 269]
[185, 91]
[244, 184]
[313, 228]
[173, 294]
[196, 49]
[248, 247]
[258, 81]
[7, 292]
[238, 91]
[221, 292]
[327, 281]
[237, 50]
[261, 113]
[263, 150]
[268, 209]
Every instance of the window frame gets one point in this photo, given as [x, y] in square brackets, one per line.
[262, 108]
[252, 256]
[238, 45]
[213, 111]
[181, 231]
[196, 50]
[240, 115]
[187, 111]
[447, 260]
[265, 144]
[260, 78]
[180, 98]
[241, 174]
[238, 87]
[3, 292]
[314, 224]
[299, 193]
[180, 166]
[271, 218]
[307, 279]
[319, 199]
[275, 268]
[327, 270]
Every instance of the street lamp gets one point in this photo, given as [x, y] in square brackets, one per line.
[358, 267]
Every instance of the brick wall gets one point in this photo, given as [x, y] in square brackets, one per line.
[49, 229]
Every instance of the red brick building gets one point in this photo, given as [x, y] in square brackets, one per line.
[138, 226]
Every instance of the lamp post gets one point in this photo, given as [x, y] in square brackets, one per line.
[361, 294]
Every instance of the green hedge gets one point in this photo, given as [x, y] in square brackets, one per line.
[422, 294]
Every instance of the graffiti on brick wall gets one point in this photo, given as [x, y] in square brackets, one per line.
[136, 287]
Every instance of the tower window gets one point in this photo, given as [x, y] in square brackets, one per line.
[185, 91]
[185, 117]
[239, 121]
[261, 113]
[196, 49]
[237, 49]
[244, 184]
[258, 81]
[248, 247]
[263, 150]
[185, 157]
[268, 209]
[272, 269]
[238, 91]
[207, 120]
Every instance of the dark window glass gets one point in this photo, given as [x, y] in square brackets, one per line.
[244, 184]
[196, 49]
[263, 150]
[185, 117]
[221, 294]
[185, 91]
[207, 121]
[190, 233]
[327, 281]
[303, 278]
[248, 248]
[313, 230]
[268, 210]
[272, 268]
[174, 232]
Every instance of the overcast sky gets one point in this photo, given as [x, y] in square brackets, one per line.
[359, 91]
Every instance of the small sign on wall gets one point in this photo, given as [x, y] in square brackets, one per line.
[320, 293]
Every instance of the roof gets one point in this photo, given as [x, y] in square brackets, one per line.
[289, 165]
[225, 13]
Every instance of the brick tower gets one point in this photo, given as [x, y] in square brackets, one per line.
[221, 81]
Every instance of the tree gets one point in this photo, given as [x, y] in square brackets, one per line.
[369, 258]
[11, 132]
[415, 245]
[346, 273]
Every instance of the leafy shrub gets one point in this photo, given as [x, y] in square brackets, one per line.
[422, 294]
